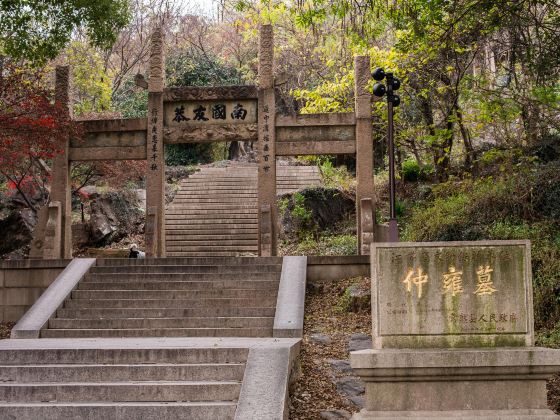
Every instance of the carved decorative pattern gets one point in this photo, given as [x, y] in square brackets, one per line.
[192, 93]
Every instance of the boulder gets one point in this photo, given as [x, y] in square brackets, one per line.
[114, 215]
[16, 230]
[320, 338]
[359, 298]
[360, 341]
[328, 207]
[335, 414]
[350, 386]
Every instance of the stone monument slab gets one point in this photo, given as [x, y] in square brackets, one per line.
[452, 294]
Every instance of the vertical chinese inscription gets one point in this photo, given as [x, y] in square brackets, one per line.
[153, 155]
[155, 193]
[266, 144]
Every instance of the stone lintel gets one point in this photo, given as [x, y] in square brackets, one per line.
[210, 133]
[299, 148]
[107, 153]
[209, 93]
[114, 125]
[337, 118]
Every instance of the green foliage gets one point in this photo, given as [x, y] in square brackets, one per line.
[412, 172]
[188, 154]
[130, 101]
[327, 245]
[336, 177]
[38, 30]
[519, 205]
[92, 85]
[194, 68]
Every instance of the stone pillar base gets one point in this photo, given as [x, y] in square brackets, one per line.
[505, 383]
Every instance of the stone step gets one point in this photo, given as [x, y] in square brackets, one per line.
[179, 285]
[213, 261]
[209, 227]
[188, 269]
[173, 247]
[120, 353]
[114, 313]
[162, 323]
[196, 230]
[212, 253]
[265, 302]
[240, 200]
[181, 277]
[122, 411]
[240, 238]
[214, 206]
[157, 332]
[125, 293]
[188, 241]
[122, 372]
[185, 186]
[212, 213]
[120, 391]
[213, 218]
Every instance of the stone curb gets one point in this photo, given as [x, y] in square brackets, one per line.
[265, 389]
[30, 325]
[288, 321]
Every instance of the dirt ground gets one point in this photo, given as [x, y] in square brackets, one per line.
[314, 391]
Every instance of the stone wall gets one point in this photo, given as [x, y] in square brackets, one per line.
[22, 282]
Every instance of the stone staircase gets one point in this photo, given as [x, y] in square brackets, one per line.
[83, 379]
[172, 297]
[214, 213]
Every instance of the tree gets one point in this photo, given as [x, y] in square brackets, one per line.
[38, 30]
[30, 128]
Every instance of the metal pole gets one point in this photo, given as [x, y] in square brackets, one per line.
[393, 228]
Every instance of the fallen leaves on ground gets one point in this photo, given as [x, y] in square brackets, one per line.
[314, 390]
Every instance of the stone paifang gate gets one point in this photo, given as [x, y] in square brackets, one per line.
[212, 114]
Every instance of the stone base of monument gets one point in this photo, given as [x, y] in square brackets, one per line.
[505, 383]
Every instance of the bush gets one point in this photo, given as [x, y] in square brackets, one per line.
[522, 205]
[412, 172]
[188, 154]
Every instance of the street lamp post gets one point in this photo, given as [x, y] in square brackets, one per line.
[393, 101]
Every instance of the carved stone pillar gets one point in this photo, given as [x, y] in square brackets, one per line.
[155, 171]
[266, 145]
[61, 188]
[364, 141]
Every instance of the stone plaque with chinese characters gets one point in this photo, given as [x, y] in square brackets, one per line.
[452, 294]
[210, 120]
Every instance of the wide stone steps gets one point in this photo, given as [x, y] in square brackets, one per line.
[164, 284]
[119, 381]
[116, 372]
[172, 297]
[113, 313]
[268, 302]
[217, 204]
[160, 323]
[159, 332]
[187, 269]
[169, 294]
[221, 278]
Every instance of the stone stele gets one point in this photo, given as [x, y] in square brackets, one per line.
[453, 334]
[455, 294]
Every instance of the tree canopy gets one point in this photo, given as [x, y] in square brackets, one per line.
[38, 30]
